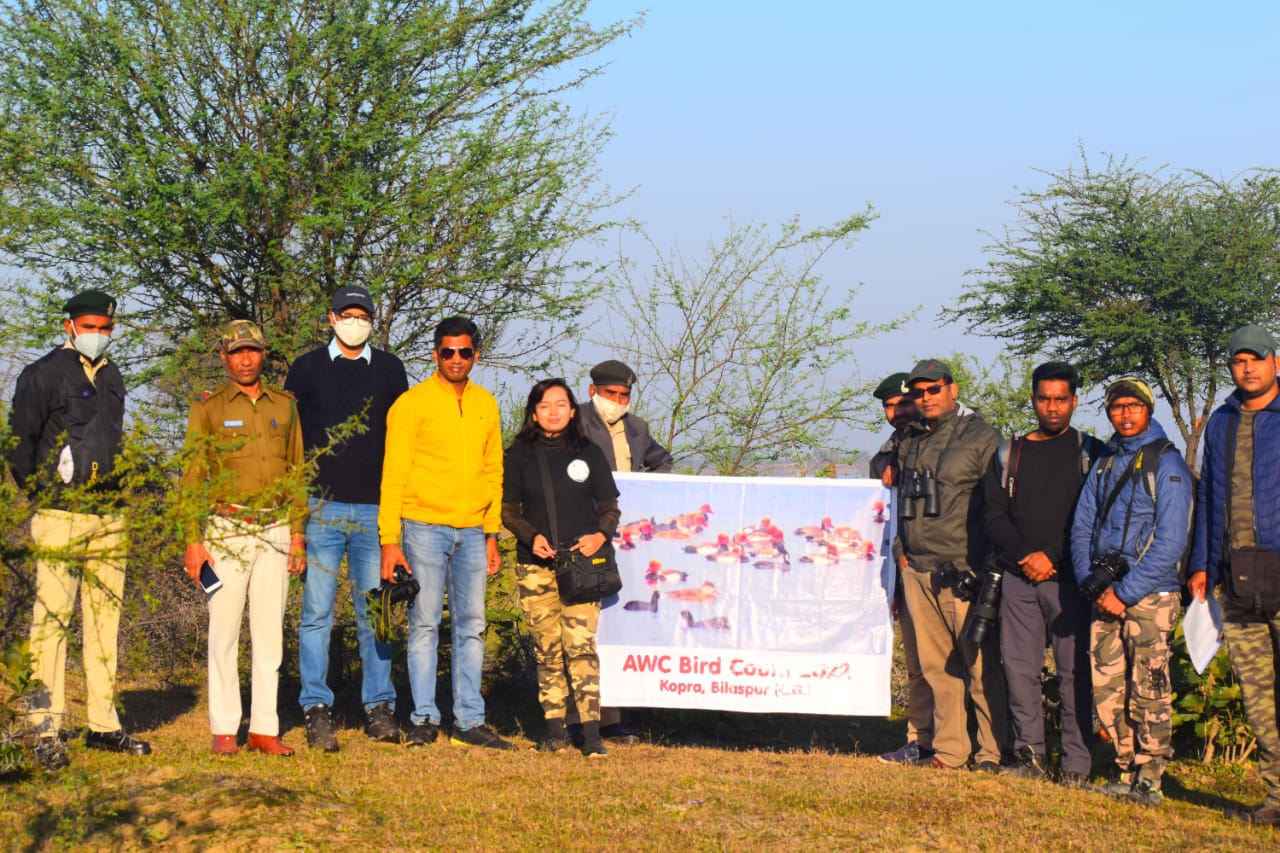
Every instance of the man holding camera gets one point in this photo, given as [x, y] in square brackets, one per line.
[439, 514]
[1030, 492]
[338, 386]
[940, 548]
[1237, 539]
[1129, 534]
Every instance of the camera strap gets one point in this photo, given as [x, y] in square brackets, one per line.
[544, 470]
[1129, 473]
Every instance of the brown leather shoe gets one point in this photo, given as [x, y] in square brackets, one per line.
[225, 745]
[270, 744]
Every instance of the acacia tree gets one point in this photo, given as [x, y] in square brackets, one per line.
[243, 158]
[1130, 272]
[746, 358]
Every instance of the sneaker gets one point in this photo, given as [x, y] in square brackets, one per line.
[991, 767]
[117, 741]
[619, 734]
[479, 736]
[1146, 792]
[937, 763]
[908, 753]
[51, 754]
[1263, 815]
[594, 748]
[380, 724]
[574, 732]
[1112, 789]
[1072, 779]
[422, 734]
[1027, 763]
[553, 744]
[320, 729]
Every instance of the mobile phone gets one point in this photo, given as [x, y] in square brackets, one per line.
[209, 580]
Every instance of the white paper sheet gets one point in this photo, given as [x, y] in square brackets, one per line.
[1202, 626]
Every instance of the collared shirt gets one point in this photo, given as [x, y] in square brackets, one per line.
[91, 368]
[335, 352]
[621, 449]
[242, 450]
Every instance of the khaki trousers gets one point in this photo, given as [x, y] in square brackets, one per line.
[76, 552]
[252, 561]
[954, 668]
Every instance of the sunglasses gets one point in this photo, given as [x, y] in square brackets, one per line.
[928, 390]
[447, 353]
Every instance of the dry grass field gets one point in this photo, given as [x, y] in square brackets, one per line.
[704, 782]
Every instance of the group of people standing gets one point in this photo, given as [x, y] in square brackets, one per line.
[1053, 538]
[408, 479]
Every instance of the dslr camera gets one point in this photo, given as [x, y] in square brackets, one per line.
[919, 484]
[964, 585]
[986, 606]
[1105, 570]
[404, 588]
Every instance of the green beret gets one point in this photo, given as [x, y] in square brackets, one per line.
[90, 302]
[893, 386]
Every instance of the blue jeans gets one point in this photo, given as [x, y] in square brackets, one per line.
[446, 559]
[333, 530]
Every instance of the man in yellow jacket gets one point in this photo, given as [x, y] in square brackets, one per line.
[438, 517]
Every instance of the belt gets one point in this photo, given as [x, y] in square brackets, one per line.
[248, 515]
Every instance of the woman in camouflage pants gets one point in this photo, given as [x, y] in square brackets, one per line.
[586, 506]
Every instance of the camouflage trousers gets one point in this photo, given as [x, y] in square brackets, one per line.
[1254, 647]
[564, 638]
[1131, 687]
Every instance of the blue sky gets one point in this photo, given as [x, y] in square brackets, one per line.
[935, 114]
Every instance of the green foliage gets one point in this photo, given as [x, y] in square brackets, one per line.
[745, 358]
[1210, 705]
[15, 681]
[1124, 271]
[241, 158]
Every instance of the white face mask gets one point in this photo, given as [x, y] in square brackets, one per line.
[91, 345]
[352, 331]
[609, 410]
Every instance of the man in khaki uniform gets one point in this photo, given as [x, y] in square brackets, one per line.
[245, 441]
[68, 419]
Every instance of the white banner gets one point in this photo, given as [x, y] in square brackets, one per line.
[756, 594]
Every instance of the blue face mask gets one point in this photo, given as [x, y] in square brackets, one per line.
[91, 345]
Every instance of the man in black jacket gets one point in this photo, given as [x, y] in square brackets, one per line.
[68, 419]
[1030, 493]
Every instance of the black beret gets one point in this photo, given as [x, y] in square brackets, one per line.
[613, 372]
[90, 302]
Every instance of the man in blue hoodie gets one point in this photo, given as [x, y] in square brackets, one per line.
[1237, 539]
[1129, 533]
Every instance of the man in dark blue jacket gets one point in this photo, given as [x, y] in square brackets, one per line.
[68, 419]
[1128, 536]
[1237, 539]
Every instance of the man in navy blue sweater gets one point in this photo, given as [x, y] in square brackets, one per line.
[345, 382]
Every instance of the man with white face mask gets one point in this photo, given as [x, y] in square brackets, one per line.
[623, 437]
[628, 446]
[334, 384]
[68, 419]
